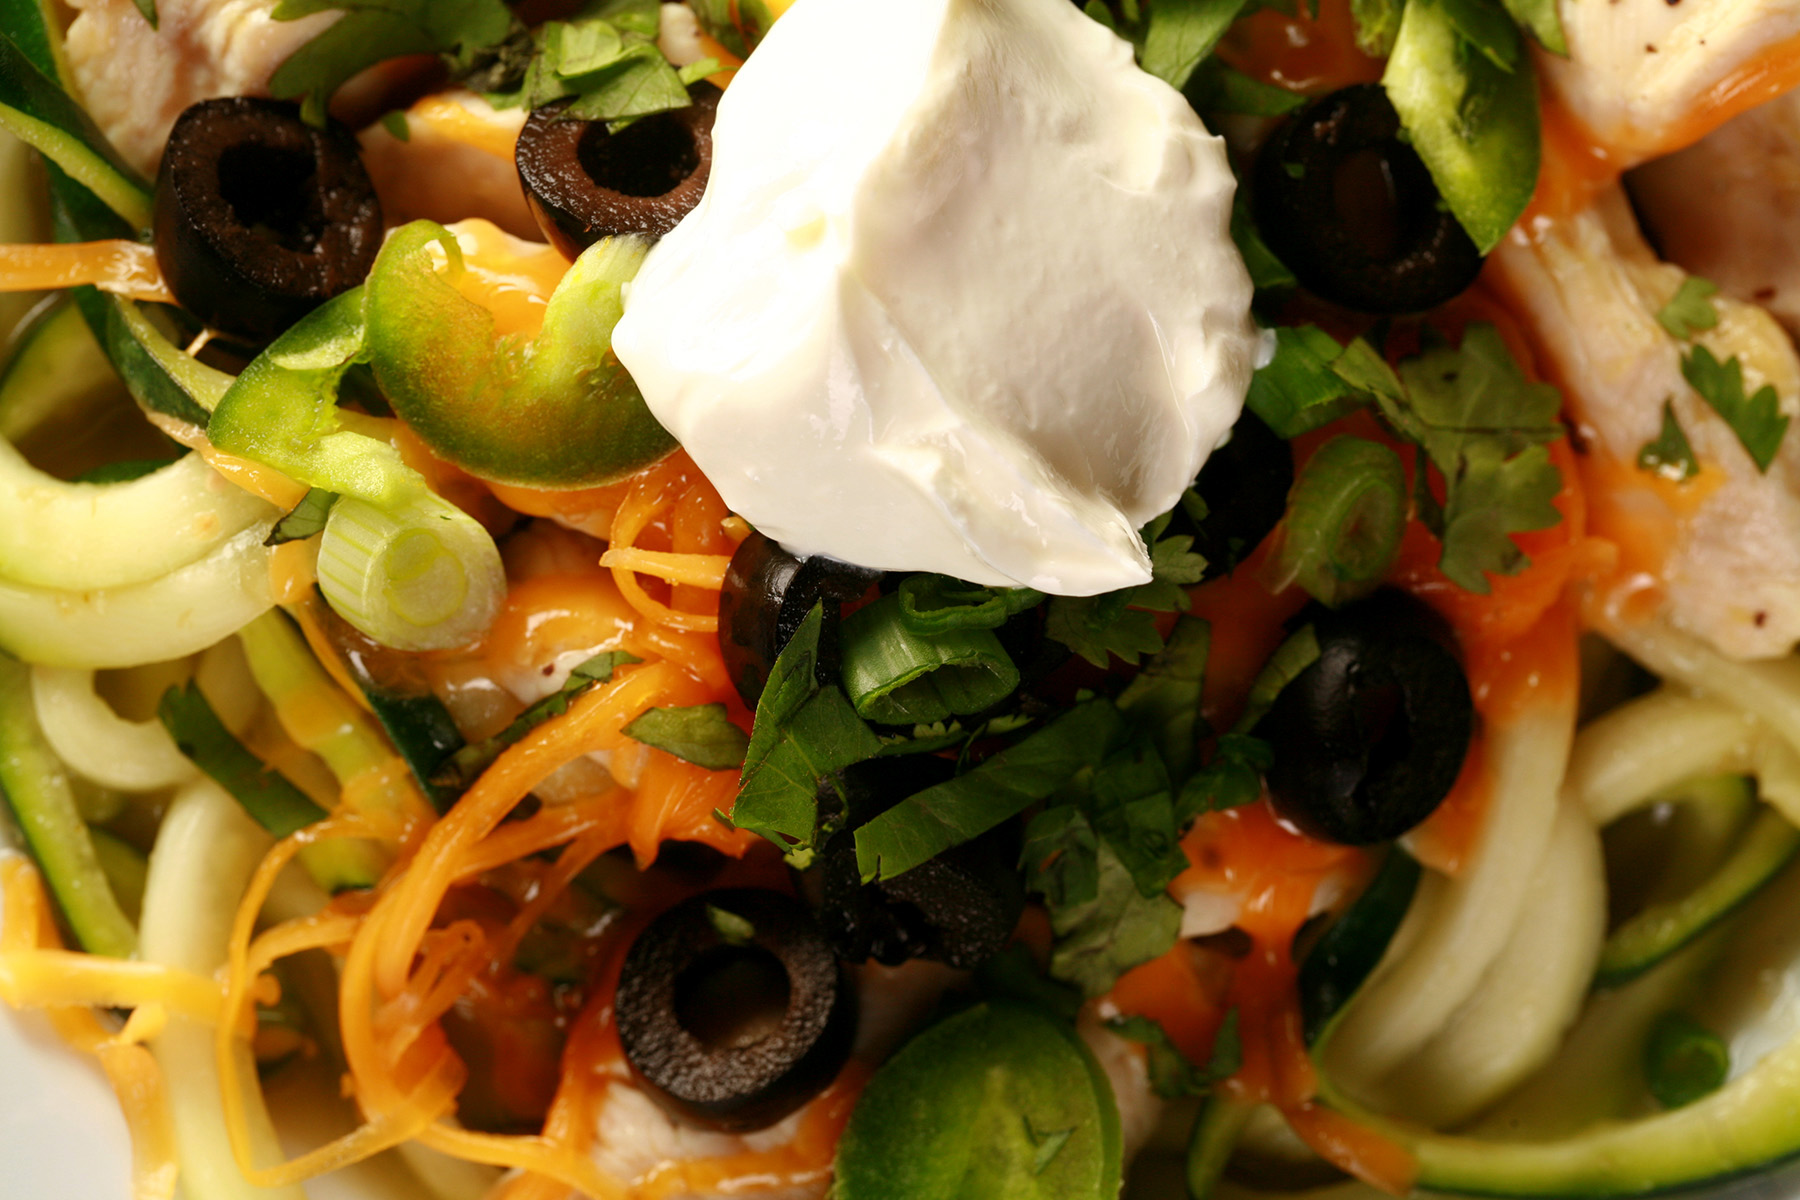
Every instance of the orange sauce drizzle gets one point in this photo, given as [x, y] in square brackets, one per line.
[1299, 52]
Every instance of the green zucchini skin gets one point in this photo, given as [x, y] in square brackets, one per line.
[38, 794]
[1347, 952]
[81, 537]
[1651, 936]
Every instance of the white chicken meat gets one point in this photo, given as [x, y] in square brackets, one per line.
[1726, 207]
[1642, 74]
[136, 80]
[1590, 287]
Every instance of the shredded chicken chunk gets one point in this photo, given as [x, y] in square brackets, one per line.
[1725, 208]
[136, 80]
[1590, 288]
[1645, 76]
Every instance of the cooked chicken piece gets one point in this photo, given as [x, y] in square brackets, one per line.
[1728, 207]
[1643, 75]
[136, 80]
[456, 162]
[1589, 288]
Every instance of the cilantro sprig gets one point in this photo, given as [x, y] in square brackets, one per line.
[604, 56]
[1121, 623]
[373, 31]
[1469, 409]
[1757, 419]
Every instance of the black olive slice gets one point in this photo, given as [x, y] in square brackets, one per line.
[733, 1010]
[1353, 212]
[958, 908]
[767, 593]
[584, 183]
[1368, 740]
[1245, 486]
[260, 217]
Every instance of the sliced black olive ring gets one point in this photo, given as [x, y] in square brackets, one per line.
[1353, 212]
[260, 217]
[959, 908]
[1245, 486]
[1368, 740]
[584, 183]
[733, 1009]
[767, 593]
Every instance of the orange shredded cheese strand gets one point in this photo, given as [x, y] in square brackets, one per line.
[130, 1069]
[49, 978]
[654, 491]
[122, 267]
[695, 570]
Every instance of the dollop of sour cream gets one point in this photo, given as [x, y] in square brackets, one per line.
[961, 295]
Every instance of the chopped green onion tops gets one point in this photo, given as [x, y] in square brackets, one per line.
[1345, 519]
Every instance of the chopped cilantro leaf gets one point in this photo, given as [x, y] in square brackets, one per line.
[1179, 33]
[1690, 310]
[1231, 780]
[1757, 420]
[462, 768]
[1164, 697]
[701, 734]
[1483, 425]
[307, 518]
[1217, 88]
[1669, 455]
[372, 31]
[1172, 1075]
[804, 733]
[1266, 271]
[1491, 499]
[1117, 623]
[925, 824]
[1120, 928]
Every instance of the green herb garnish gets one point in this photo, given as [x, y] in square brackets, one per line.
[1669, 455]
[701, 734]
[1690, 310]
[1757, 420]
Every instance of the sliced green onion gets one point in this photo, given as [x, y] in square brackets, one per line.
[1345, 518]
[423, 575]
[931, 604]
[895, 677]
[1684, 1060]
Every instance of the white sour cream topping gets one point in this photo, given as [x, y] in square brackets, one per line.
[960, 296]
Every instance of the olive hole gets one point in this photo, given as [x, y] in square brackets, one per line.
[649, 157]
[1382, 718]
[1367, 201]
[270, 191]
[732, 997]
